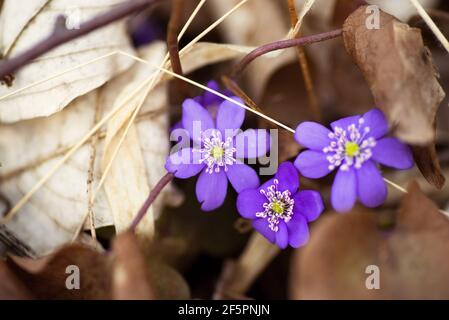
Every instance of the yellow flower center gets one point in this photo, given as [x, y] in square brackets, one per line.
[217, 152]
[277, 207]
[352, 149]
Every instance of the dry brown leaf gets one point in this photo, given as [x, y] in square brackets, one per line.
[123, 273]
[46, 277]
[399, 69]
[130, 273]
[411, 256]
[10, 287]
[403, 80]
[35, 23]
[428, 163]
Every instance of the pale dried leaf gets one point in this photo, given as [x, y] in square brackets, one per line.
[35, 23]
[57, 210]
[54, 213]
[127, 179]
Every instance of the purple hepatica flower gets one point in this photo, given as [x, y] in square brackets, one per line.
[215, 154]
[209, 101]
[355, 146]
[279, 211]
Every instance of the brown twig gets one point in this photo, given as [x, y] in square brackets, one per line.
[62, 35]
[150, 199]
[172, 42]
[283, 44]
[300, 52]
[232, 86]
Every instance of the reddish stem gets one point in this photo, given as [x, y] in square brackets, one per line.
[165, 180]
[283, 44]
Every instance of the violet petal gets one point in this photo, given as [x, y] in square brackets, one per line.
[211, 189]
[261, 225]
[195, 118]
[298, 231]
[309, 204]
[288, 177]
[376, 121]
[249, 202]
[312, 135]
[371, 187]
[343, 193]
[393, 153]
[242, 177]
[312, 164]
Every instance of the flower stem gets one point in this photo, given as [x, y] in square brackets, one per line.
[165, 180]
[172, 42]
[283, 44]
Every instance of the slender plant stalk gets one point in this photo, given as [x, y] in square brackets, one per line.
[302, 59]
[283, 44]
[172, 42]
[165, 180]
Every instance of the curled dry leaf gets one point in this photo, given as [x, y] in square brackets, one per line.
[403, 80]
[400, 72]
[412, 255]
[120, 274]
[23, 24]
[428, 163]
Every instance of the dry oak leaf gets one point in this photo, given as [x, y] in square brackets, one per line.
[399, 70]
[412, 256]
[120, 274]
[23, 23]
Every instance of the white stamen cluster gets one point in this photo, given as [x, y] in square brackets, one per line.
[350, 147]
[279, 206]
[216, 153]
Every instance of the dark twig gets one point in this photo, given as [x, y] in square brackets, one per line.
[283, 44]
[300, 52]
[62, 35]
[232, 86]
[150, 199]
[172, 42]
